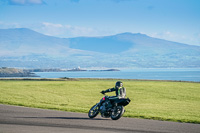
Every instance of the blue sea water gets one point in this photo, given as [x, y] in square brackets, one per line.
[149, 74]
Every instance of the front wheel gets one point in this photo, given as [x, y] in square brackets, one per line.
[117, 112]
[93, 112]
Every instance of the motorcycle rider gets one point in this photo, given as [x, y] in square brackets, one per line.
[120, 91]
[111, 106]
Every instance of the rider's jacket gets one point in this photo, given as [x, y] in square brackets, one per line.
[120, 91]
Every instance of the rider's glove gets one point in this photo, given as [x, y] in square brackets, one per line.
[103, 92]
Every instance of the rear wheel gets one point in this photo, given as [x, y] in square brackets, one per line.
[93, 112]
[117, 112]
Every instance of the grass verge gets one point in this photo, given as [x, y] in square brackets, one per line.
[160, 100]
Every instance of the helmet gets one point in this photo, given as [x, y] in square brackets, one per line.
[118, 84]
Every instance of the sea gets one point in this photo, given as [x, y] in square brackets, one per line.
[144, 74]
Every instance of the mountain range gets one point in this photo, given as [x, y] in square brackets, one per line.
[25, 48]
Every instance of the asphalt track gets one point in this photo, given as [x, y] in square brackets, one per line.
[14, 119]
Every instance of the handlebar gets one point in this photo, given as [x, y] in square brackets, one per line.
[103, 93]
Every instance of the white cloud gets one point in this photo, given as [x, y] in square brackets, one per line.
[182, 38]
[4, 25]
[65, 30]
[58, 30]
[81, 31]
[162, 34]
[52, 25]
[52, 29]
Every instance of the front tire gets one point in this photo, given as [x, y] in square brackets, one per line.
[117, 112]
[93, 112]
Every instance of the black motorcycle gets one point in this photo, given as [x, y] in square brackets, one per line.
[109, 108]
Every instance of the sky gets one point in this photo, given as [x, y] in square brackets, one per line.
[173, 20]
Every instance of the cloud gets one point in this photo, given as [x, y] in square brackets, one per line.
[65, 30]
[182, 38]
[58, 30]
[167, 35]
[23, 2]
[4, 25]
[68, 31]
[51, 29]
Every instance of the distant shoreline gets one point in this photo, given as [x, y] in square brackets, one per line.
[77, 79]
[14, 72]
[66, 70]
[19, 75]
[148, 75]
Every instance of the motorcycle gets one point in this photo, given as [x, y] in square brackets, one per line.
[109, 108]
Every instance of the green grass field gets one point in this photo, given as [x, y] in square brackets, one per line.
[160, 100]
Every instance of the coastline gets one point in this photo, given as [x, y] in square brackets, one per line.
[190, 75]
[78, 79]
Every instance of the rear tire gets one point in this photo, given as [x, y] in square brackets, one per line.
[93, 112]
[117, 113]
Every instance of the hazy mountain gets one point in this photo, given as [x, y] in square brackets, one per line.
[19, 42]
[26, 48]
